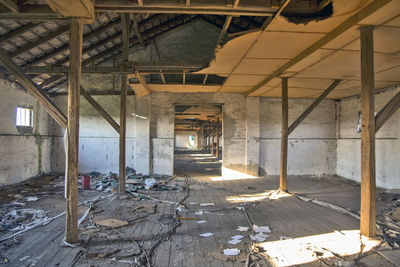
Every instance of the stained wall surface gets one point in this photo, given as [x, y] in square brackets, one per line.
[312, 145]
[23, 155]
[99, 142]
[387, 142]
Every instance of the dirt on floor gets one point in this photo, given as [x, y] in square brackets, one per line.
[192, 219]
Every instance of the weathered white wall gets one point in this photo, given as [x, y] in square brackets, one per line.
[233, 128]
[22, 155]
[312, 145]
[387, 142]
[182, 139]
[99, 142]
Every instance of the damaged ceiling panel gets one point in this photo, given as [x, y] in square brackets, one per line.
[294, 50]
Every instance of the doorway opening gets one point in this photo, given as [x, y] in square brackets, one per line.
[198, 139]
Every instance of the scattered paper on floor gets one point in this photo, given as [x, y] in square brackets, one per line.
[231, 252]
[207, 204]
[261, 229]
[234, 241]
[202, 221]
[260, 237]
[242, 229]
[206, 234]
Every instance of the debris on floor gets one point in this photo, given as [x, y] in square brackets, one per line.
[206, 234]
[134, 182]
[242, 229]
[261, 229]
[231, 252]
[114, 223]
[16, 220]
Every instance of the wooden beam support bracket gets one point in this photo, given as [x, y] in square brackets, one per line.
[28, 85]
[313, 106]
[387, 111]
[99, 109]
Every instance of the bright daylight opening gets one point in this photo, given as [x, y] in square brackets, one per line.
[24, 117]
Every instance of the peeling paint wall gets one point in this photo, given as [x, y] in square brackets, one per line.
[387, 142]
[312, 145]
[23, 155]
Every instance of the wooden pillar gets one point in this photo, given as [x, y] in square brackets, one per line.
[124, 89]
[217, 138]
[368, 187]
[209, 137]
[75, 45]
[212, 139]
[205, 137]
[285, 133]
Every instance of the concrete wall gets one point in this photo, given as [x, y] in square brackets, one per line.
[387, 142]
[233, 128]
[312, 145]
[99, 142]
[182, 139]
[23, 155]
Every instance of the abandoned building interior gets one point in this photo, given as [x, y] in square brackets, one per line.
[200, 133]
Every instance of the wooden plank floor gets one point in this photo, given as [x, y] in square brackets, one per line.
[286, 216]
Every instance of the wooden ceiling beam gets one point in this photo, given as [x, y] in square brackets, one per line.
[83, 9]
[11, 5]
[149, 35]
[18, 31]
[127, 68]
[227, 23]
[136, 29]
[39, 41]
[260, 8]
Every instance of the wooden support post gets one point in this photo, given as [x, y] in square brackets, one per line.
[217, 138]
[212, 140]
[312, 106]
[99, 109]
[71, 176]
[387, 111]
[206, 136]
[124, 89]
[368, 187]
[285, 134]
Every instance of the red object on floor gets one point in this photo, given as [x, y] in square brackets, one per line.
[85, 182]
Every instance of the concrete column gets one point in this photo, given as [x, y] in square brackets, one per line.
[142, 136]
[252, 135]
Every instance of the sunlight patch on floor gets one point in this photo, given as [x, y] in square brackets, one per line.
[271, 194]
[230, 175]
[308, 249]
